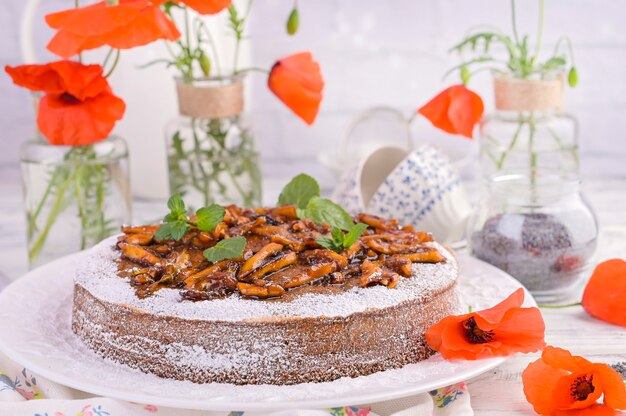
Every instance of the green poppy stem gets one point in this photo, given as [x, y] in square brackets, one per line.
[569, 305]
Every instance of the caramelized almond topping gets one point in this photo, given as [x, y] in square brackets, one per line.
[281, 255]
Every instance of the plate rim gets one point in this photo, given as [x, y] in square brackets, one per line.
[92, 386]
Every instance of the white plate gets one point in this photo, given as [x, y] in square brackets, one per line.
[35, 314]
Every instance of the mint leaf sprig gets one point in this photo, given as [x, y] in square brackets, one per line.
[340, 240]
[304, 192]
[177, 223]
[226, 249]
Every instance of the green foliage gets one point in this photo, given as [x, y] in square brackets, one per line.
[209, 217]
[476, 50]
[299, 191]
[177, 223]
[340, 240]
[229, 248]
[325, 211]
[304, 192]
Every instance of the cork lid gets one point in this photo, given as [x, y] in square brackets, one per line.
[210, 97]
[516, 94]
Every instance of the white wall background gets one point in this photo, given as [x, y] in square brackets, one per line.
[372, 53]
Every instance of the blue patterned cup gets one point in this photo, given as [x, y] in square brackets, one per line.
[424, 190]
[360, 182]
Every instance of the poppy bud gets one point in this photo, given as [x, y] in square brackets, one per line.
[465, 75]
[293, 22]
[205, 64]
[572, 77]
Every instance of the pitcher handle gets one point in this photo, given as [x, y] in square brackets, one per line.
[27, 25]
[342, 145]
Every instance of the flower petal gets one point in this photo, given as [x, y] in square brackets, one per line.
[614, 387]
[129, 24]
[78, 124]
[605, 293]
[455, 110]
[206, 6]
[496, 313]
[539, 382]
[36, 78]
[560, 358]
[297, 81]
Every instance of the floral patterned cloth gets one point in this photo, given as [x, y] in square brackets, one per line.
[23, 393]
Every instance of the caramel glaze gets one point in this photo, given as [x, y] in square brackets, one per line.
[281, 260]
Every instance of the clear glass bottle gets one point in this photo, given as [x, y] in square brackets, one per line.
[540, 229]
[74, 196]
[210, 150]
[528, 132]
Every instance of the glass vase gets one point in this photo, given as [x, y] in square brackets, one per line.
[528, 132]
[74, 196]
[540, 230]
[210, 150]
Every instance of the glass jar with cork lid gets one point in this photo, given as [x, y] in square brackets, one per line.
[210, 150]
[529, 131]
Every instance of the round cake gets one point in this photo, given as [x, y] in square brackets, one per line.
[286, 311]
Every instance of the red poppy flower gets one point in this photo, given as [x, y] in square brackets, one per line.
[206, 6]
[605, 294]
[77, 106]
[502, 330]
[297, 81]
[559, 384]
[123, 26]
[455, 110]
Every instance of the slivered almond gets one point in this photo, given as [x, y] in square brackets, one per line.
[138, 254]
[257, 260]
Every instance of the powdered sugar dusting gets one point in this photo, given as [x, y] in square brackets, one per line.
[98, 275]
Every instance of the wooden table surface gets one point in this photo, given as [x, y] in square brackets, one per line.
[498, 392]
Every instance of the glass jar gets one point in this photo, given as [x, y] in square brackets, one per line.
[528, 132]
[74, 196]
[540, 230]
[210, 151]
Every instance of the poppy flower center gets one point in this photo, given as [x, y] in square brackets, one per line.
[582, 387]
[69, 98]
[474, 334]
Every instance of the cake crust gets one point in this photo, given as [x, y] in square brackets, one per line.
[314, 337]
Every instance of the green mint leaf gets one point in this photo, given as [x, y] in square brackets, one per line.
[299, 191]
[172, 231]
[325, 211]
[337, 235]
[354, 234]
[328, 243]
[176, 204]
[209, 217]
[173, 217]
[164, 232]
[179, 228]
[229, 248]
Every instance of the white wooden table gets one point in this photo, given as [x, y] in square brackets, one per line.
[498, 392]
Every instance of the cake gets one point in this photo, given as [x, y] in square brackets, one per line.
[286, 311]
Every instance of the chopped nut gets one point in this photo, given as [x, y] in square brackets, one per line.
[426, 255]
[377, 222]
[257, 260]
[138, 254]
[399, 263]
[140, 229]
[142, 239]
[396, 243]
[250, 290]
[281, 261]
[220, 266]
[373, 274]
